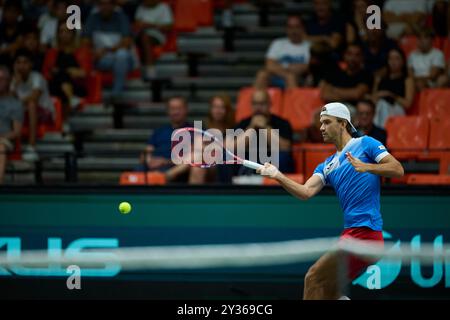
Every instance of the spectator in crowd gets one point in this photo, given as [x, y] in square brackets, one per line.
[403, 16]
[157, 154]
[287, 58]
[376, 50]
[365, 113]
[439, 18]
[129, 7]
[65, 70]
[31, 43]
[34, 9]
[262, 118]
[356, 26]
[11, 117]
[32, 90]
[394, 92]
[349, 84]
[11, 31]
[220, 117]
[321, 63]
[153, 20]
[48, 22]
[325, 25]
[427, 64]
[108, 31]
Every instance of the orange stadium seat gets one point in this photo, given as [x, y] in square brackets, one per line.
[140, 178]
[440, 134]
[308, 155]
[428, 179]
[16, 154]
[205, 12]
[439, 144]
[56, 126]
[185, 18]
[299, 106]
[296, 177]
[156, 178]
[132, 178]
[407, 136]
[408, 44]
[446, 48]
[413, 110]
[434, 102]
[244, 102]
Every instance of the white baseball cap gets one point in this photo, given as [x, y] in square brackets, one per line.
[338, 110]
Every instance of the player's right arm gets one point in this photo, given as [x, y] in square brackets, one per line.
[302, 191]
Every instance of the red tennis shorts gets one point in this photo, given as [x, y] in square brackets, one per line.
[355, 264]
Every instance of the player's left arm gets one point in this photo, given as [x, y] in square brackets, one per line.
[388, 166]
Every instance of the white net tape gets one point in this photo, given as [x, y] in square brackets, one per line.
[228, 255]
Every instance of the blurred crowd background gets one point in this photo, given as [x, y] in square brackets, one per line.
[99, 104]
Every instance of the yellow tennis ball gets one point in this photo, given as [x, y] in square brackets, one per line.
[124, 207]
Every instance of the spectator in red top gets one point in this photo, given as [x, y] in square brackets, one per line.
[65, 69]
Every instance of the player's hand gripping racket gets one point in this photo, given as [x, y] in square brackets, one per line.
[193, 134]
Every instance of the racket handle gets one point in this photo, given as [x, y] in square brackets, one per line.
[253, 165]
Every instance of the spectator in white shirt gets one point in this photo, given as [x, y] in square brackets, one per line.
[32, 90]
[287, 58]
[153, 20]
[48, 22]
[427, 64]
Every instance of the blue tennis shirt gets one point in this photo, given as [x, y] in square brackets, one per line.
[358, 193]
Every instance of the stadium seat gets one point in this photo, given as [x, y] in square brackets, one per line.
[308, 155]
[439, 134]
[169, 46]
[439, 144]
[434, 102]
[446, 48]
[408, 44]
[299, 106]
[413, 110]
[244, 102]
[428, 179]
[132, 178]
[185, 19]
[56, 126]
[16, 154]
[205, 12]
[407, 136]
[156, 178]
[271, 182]
[94, 89]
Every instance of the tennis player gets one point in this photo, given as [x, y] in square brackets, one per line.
[353, 171]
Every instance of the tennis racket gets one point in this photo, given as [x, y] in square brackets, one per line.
[196, 133]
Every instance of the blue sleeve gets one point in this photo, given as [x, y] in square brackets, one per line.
[375, 150]
[319, 172]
